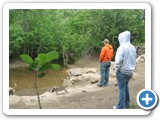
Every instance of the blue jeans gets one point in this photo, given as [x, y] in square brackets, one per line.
[104, 70]
[122, 81]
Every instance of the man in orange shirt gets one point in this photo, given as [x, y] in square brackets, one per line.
[106, 56]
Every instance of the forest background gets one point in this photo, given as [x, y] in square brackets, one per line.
[73, 33]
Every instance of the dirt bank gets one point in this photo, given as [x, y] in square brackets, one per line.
[86, 97]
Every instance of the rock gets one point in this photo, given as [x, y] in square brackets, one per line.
[80, 71]
[46, 94]
[14, 99]
[140, 59]
[76, 80]
[75, 72]
[95, 78]
[91, 78]
[81, 76]
[84, 76]
[139, 51]
[29, 100]
[89, 70]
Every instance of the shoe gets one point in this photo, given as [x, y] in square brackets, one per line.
[105, 85]
[114, 107]
[100, 85]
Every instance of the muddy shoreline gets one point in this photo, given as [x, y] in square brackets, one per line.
[85, 97]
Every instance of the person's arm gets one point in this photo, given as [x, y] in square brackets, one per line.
[118, 59]
[102, 55]
[112, 54]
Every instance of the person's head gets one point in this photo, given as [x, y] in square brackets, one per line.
[124, 37]
[105, 41]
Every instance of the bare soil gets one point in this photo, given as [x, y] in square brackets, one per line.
[92, 98]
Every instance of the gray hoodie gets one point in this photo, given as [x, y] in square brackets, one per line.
[125, 59]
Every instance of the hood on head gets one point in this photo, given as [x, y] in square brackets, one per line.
[124, 37]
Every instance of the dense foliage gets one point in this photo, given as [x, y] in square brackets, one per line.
[72, 33]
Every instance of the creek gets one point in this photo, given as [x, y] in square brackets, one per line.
[25, 80]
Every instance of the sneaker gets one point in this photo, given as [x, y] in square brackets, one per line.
[100, 85]
[114, 107]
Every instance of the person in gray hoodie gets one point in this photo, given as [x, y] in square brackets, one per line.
[125, 62]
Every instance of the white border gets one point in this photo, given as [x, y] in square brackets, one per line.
[8, 6]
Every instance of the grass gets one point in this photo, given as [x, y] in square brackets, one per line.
[132, 106]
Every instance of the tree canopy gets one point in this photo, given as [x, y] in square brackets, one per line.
[73, 33]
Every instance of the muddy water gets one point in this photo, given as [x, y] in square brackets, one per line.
[25, 80]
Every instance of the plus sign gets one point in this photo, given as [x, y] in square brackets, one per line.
[147, 99]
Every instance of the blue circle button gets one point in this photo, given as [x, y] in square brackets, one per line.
[147, 99]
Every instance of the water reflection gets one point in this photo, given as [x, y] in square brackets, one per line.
[25, 80]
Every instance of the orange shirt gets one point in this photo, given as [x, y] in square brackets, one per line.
[106, 53]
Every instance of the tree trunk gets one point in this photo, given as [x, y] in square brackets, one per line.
[65, 59]
[35, 85]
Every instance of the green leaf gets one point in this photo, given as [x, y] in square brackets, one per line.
[41, 58]
[41, 75]
[26, 58]
[45, 66]
[52, 55]
[34, 66]
[55, 66]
